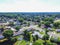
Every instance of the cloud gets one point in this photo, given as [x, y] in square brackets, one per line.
[29, 6]
[6, 1]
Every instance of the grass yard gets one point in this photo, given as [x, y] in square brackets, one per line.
[3, 40]
[38, 42]
[41, 32]
[21, 43]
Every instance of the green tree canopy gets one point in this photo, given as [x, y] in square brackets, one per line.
[47, 23]
[57, 23]
[20, 19]
[49, 19]
[8, 33]
[17, 28]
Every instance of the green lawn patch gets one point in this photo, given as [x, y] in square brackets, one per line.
[41, 32]
[23, 42]
[38, 42]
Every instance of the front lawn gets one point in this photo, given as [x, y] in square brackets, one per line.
[39, 42]
[23, 42]
[41, 32]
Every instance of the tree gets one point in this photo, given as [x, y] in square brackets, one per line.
[49, 19]
[38, 42]
[28, 24]
[26, 35]
[36, 37]
[50, 43]
[46, 37]
[25, 32]
[58, 40]
[55, 40]
[11, 23]
[47, 24]
[39, 24]
[24, 22]
[13, 40]
[29, 19]
[2, 28]
[8, 33]
[56, 24]
[20, 19]
[17, 28]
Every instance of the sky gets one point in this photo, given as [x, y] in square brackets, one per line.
[29, 5]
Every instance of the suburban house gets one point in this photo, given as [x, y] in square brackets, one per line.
[4, 23]
[57, 30]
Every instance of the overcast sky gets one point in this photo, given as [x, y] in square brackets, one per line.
[29, 5]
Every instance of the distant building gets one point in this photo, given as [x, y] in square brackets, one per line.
[57, 30]
[17, 23]
[51, 25]
[50, 29]
[42, 26]
[4, 23]
[1, 37]
[10, 28]
[37, 33]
